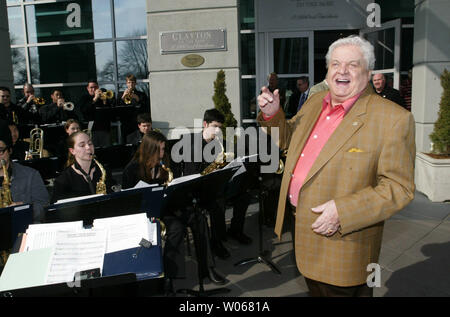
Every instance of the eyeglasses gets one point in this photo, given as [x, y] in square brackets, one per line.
[3, 149]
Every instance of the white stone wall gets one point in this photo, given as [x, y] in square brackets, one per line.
[431, 56]
[179, 94]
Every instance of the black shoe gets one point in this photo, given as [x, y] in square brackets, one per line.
[240, 237]
[220, 251]
[215, 277]
[168, 287]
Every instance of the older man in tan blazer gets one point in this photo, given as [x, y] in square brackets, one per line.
[350, 166]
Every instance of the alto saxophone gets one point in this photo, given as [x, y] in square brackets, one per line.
[6, 198]
[219, 162]
[101, 186]
[169, 171]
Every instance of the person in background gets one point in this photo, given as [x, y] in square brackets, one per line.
[19, 147]
[298, 98]
[10, 111]
[95, 107]
[323, 85]
[379, 83]
[55, 111]
[61, 151]
[27, 186]
[144, 124]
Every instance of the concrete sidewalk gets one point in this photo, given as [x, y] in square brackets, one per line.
[415, 257]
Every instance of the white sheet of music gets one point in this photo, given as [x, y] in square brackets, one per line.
[183, 179]
[76, 198]
[125, 232]
[40, 236]
[74, 252]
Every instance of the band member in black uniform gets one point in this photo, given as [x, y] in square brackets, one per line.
[133, 103]
[58, 110]
[144, 124]
[95, 106]
[19, 146]
[82, 174]
[10, 111]
[147, 166]
[212, 123]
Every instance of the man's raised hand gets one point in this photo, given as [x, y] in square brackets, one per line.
[269, 103]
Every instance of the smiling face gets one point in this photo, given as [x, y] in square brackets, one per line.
[73, 127]
[83, 148]
[347, 73]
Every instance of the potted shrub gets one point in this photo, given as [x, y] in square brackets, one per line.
[433, 169]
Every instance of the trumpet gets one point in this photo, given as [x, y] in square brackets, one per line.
[107, 95]
[68, 106]
[128, 98]
[39, 101]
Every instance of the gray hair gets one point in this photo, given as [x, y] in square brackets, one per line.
[365, 46]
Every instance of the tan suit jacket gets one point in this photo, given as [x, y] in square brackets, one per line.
[367, 167]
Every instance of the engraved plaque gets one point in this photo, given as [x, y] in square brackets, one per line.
[192, 41]
[192, 60]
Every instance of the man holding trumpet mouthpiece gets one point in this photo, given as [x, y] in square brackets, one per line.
[59, 110]
[350, 166]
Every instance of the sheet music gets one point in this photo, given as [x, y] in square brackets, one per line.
[41, 236]
[141, 184]
[125, 232]
[76, 251]
[67, 200]
[183, 179]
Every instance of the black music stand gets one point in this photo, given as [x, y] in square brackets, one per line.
[207, 185]
[262, 256]
[112, 205]
[14, 220]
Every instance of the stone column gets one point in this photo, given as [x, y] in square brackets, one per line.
[6, 72]
[179, 93]
[431, 57]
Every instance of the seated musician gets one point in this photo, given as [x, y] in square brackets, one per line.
[81, 174]
[146, 166]
[19, 146]
[57, 111]
[27, 186]
[144, 123]
[212, 122]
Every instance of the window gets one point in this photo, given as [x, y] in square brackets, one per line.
[65, 43]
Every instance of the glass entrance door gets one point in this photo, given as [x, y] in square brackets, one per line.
[291, 55]
[386, 41]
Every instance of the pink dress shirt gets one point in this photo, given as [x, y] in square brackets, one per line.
[328, 121]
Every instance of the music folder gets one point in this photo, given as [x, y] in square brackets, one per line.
[143, 262]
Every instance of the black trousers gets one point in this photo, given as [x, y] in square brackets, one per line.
[174, 249]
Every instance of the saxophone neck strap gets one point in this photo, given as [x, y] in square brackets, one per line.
[87, 176]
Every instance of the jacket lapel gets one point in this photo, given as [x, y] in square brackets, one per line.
[301, 134]
[351, 123]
